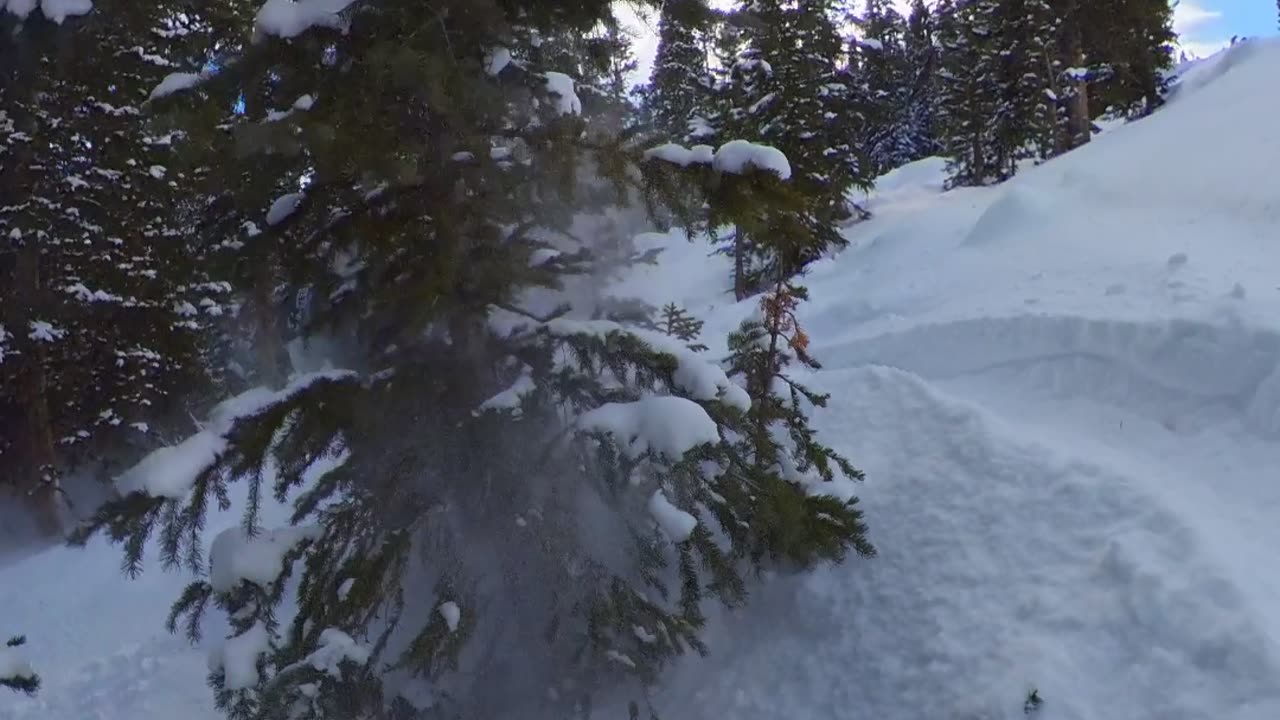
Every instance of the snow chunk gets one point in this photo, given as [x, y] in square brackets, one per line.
[542, 256]
[680, 155]
[157, 171]
[174, 83]
[288, 19]
[644, 635]
[497, 60]
[702, 154]
[451, 613]
[667, 425]
[171, 471]
[44, 332]
[620, 658]
[509, 399]
[236, 556]
[345, 588]
[14, 665]
[304, 103]
[238, 657]
[336, 646]
[562, 85]
[675, 523]
[736, 156]
[284, 207]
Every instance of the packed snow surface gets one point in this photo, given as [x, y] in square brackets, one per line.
[1065, 392]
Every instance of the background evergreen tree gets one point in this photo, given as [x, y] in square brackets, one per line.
[679, 86]
[885, 67]
[787, 89]
[1129, 45]
[1027, 123]
[104, 314]
[922, 61]
[969, 91]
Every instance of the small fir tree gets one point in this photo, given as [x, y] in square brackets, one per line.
[677, 322]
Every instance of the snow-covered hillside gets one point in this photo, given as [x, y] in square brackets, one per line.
[1065, 392]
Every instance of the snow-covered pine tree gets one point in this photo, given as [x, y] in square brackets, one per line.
[102, 325]
[1027, 122]
[884, 66]
[501, 505]
[1129, 45]
[680, 85]
[679, 323]
[922, 61]
[969, 90]
[15, 672]
[788, 90]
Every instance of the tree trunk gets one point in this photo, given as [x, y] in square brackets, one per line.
[1079, 126]
[37, 464]
[739, 266]
[273, 358]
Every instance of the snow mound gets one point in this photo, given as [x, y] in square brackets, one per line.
[1014, 217]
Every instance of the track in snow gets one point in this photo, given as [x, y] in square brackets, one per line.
[1063, 504]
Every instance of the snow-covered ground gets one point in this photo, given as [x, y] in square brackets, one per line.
[1065, 392]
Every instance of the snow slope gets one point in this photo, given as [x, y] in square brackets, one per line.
[1065, 392]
